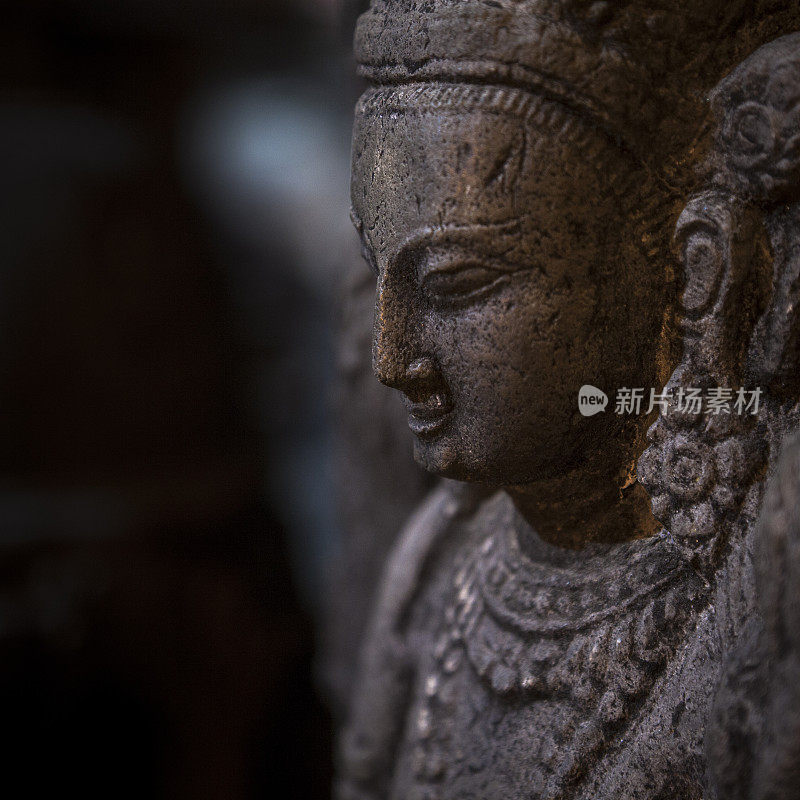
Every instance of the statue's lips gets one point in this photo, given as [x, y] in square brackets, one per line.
[427, 417]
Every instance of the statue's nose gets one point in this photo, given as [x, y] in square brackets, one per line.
[397, 337]
[390, 355]
[423, 370]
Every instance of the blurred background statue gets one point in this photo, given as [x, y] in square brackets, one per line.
[174, 229]
[554, 197]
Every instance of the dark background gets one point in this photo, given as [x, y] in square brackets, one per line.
[174, 225]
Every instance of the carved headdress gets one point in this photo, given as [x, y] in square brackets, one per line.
[640, 69]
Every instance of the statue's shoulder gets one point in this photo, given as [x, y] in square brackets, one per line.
[435, 524]
[752, 738]
[377, 712]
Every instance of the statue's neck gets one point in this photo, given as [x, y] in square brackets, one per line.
[582, 508]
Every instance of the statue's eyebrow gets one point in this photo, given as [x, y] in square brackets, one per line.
[453, 234]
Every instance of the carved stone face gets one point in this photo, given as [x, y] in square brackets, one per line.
[507, 279]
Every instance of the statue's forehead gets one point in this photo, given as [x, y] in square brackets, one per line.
[426, 167]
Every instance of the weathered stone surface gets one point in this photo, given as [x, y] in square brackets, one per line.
[554, 194]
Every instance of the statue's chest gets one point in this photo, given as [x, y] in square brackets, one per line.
[525, 675]
[464, 741]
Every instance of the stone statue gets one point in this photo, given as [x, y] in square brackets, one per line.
[555, 196]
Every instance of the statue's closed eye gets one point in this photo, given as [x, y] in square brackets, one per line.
[463, 281]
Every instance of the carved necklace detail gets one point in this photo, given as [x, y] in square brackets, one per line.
[567, 634]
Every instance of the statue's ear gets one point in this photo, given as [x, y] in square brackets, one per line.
[726, 277]
[702, 236]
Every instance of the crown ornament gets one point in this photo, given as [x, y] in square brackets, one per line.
[638, 69]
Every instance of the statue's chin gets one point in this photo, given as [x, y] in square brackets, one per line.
[440, 459]
[451, 460]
